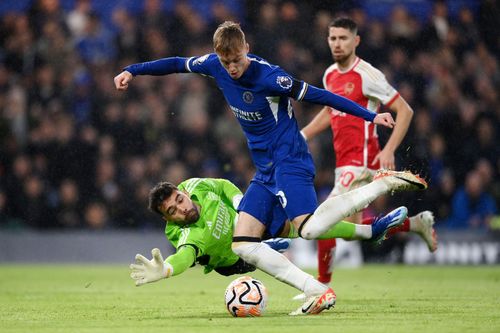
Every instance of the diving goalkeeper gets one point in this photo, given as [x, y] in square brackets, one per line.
[200, 216]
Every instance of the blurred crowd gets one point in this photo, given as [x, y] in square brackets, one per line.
[75, 153]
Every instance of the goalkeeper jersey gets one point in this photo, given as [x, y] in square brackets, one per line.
[212, 234]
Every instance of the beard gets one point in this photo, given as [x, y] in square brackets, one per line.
[341, 58]
[192, 216]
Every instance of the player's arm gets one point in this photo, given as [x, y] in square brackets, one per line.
[301, 91]
[319, 123]
[201, 65]
[157, 67]
[404, 114]
[228, 191]
[147, 271]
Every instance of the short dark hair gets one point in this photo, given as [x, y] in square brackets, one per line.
[346, 23]
[158, 194]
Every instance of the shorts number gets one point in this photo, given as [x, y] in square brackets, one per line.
[346, 178]
[282, 198]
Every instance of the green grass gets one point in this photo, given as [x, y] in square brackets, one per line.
[59, 298]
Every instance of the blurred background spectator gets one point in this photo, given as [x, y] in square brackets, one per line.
[75, 153]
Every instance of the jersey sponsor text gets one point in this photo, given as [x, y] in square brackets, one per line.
[246, 115]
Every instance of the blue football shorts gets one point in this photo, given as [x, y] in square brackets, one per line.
[290, 193]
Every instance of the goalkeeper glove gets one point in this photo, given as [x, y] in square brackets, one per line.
[146, 271]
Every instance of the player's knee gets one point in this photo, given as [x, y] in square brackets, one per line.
[308, 236]
[306, 229]
[308, 233]
[246, 248]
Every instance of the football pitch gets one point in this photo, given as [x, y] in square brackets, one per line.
[385, 298]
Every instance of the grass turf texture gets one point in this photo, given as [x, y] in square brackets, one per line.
[59, 298]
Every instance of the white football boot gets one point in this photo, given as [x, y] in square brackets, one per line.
[401, 180]
[422, 224]
[316, 304]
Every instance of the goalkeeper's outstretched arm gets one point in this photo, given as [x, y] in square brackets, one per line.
[147, 271]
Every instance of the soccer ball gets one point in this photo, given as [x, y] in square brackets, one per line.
[246, 297]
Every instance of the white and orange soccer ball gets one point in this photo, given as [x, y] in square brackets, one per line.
[246, 297]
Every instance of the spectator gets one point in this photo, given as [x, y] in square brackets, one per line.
[96, 216]
[67, 212]
[472, 206]
[34, 204]
[60, 114]
[4, 216]
[77, 18]
[96, 46]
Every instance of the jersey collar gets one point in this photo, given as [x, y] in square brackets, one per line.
[354, 63]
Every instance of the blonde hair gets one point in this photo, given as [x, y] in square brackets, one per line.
[228, 38]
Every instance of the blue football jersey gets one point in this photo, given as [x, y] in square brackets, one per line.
[260, 101]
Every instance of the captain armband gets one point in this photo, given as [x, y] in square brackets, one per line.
[299, 89]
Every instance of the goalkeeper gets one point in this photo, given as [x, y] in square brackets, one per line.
[201, 214]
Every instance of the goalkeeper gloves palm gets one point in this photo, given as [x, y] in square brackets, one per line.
[147, 271]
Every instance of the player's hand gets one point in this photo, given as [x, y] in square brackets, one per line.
[146, 271]
[122, 80]
[386, 159]
[384, 119]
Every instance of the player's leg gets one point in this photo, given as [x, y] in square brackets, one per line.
[335, 209]
[352, 231]
[326, 251]
[422, 224]
[346, 179]
[326, 256]
[276, 236]
[257, 205]
[295, 190]
[347, 230]
[278, 244]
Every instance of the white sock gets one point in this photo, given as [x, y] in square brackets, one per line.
[362, 231]
[339, 207]
[277, 265]
[414, 223]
